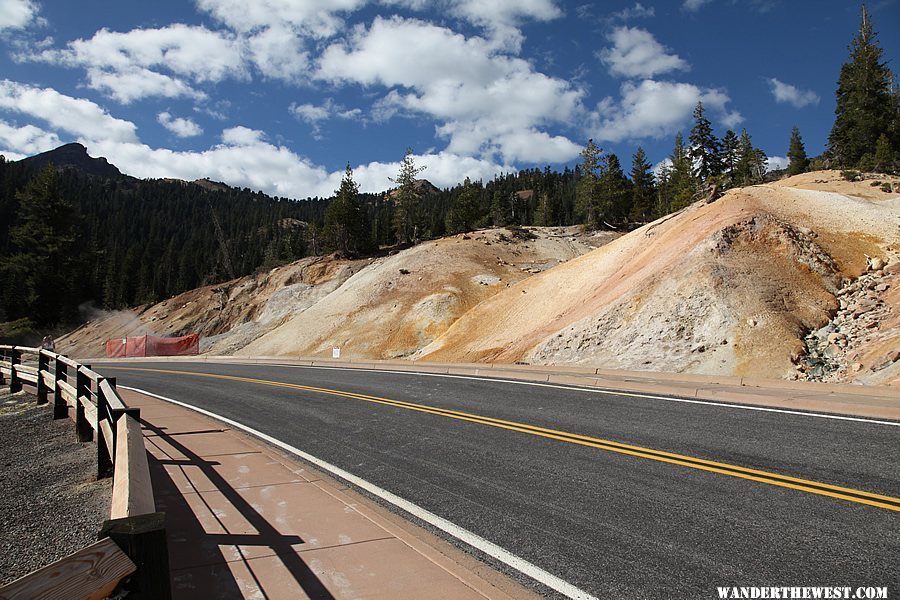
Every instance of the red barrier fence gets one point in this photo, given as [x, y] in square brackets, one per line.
[150, 345]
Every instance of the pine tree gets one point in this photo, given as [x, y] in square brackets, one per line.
[884, 155]
[615, 189]
[466, 209]
[664, 190]
[705, 147]
[588, 202]
[866, 106]
[346, 226]
[642, 190]
[797, 154]
[406, 201]
[682, 181]
[729, 154]
[44, 266]
[751, 163]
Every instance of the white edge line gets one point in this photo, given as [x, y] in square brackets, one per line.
[464, 535]
[595, 390]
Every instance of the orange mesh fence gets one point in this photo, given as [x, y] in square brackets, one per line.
[149, 345]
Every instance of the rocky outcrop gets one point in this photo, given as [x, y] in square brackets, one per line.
[859, 338]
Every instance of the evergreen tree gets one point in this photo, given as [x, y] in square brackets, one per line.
[705, 149]
[664, 190]
[797, 154]
[406, 201]
[588, 201]
[465, 210]
[501, 208]
[751, 163]
[884, 155]
[642, 190]
[866, 105]
[346, 226]
[43, 267]
[682, 181]
[615, 189]
[729, 154]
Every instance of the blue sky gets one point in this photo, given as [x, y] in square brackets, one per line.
[279, 95]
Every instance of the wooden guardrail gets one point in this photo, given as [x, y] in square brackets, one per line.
[100, 415]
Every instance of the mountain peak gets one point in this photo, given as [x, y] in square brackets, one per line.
[74, 156]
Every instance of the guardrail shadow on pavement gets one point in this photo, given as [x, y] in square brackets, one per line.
[203, 550]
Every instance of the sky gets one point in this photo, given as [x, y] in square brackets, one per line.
[281, 95]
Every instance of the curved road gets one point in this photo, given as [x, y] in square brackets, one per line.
[620, 496]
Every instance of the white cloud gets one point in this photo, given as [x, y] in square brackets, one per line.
[665, 163]
[131, 65]
[244, 158]
[134, 84]
[278, 53]
[655, 109]
[638, 11]
[694, 5]
[786, 93]
[637, 54]
[17, 14]
[776, 163]
[315, 115]
[483, 101]
[76, 116]
[499, 18]
[313, 18]
[18, 142]
[181, 127]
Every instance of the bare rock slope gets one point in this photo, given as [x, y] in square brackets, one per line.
[730, 287]
[797, 278]
[401, 303]
[379, 308]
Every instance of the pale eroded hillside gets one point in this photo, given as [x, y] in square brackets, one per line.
[727, 287]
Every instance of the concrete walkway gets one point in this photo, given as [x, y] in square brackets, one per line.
[245, 520]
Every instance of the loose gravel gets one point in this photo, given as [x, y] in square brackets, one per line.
[51, 503]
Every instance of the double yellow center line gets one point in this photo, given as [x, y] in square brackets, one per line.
[805, 485]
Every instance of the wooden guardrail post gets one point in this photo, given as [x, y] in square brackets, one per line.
[60, 408]
[143, 539]
[82, 389]
[104, 448]
[43, 367]
[15, 358]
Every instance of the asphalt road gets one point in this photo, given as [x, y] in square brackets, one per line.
[613, 521]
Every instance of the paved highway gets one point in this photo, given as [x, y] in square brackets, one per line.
[620, 496]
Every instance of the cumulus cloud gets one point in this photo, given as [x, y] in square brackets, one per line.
[500, 19]
[482, 100]
[75, 116]
[314, 18]
[152, 62]
[134, 84]
[776, 163]
[655, 109]
[787, 93]
[181, 127]
[636, 54]
[17, 14]
[315, 115]
[275, 31]
[18, 142]
[244, 157]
